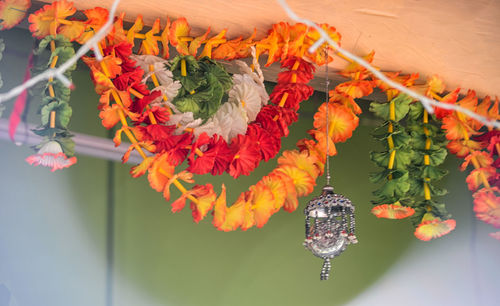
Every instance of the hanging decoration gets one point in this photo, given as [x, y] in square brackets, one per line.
[56, 33]
[188, 108]
[328, 230]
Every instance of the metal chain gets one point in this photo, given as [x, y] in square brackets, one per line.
[327, 83]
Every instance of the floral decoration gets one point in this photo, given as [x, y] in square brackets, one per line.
[188, 110]
[49, 24]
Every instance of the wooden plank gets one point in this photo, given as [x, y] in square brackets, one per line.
[456, 39]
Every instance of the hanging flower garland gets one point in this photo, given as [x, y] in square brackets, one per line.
[189, 108]
[470, 140]
[56, 33]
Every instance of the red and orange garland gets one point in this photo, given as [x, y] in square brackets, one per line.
[152, 117]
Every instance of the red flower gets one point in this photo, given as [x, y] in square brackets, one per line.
[450, 98]
[300, 76]
[139, 104]
[122, 50]
[128, 79]
[161, 115]
[271, 118]
[215, 158]
[268, 144]
[297, 92]
[304, 66]
[246, 156]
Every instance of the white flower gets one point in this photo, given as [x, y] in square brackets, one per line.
[51, 155]
[245, 94]
[183, 121]
[246, 76]
[145, 61]
[210, 127]
[171, 90]
[232, 120]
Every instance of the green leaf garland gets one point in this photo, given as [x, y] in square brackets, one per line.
[398, 154]
[58, 103]
[428, 143]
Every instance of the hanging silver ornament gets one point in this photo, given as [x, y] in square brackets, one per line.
[330, 222]
[330, 226]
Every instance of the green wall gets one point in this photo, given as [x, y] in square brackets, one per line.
[53, 228]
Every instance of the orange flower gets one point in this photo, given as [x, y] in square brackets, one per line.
[278, 189]
[262, 204]
[206, 200]
[159, 172]
[135, 28]
[291, 202]
[356, 88]
[51, 20]
[196, 43]
[392, 211]
[301, 160]
[342, 122]
[96, 18]
[462, 147]
[150, 43]
[482, 158]
[233, 49]
[303, 182]
[433, 227]
[475, 178]
[487, 206]
[313, 35]
[179, 30]
[355, 71]
[12, 12]
[212, 42]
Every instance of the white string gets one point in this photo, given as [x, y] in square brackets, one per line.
[426, 102]
[59, 72]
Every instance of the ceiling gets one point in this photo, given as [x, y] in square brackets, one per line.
[456, 39]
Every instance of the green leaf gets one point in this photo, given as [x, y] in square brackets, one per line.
[187, 104]
[401, 103]
[418, 142]
[436, 157]
[416, 112]
[47, 131]
[399, 137]
[194, 78]
[63, 114]
[394, 189]
[64, 54]
[402, 158]
[433, 173]
[60, 41]
[67, 145]
[218, 71]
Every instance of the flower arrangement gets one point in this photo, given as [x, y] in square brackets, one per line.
[188, 110]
